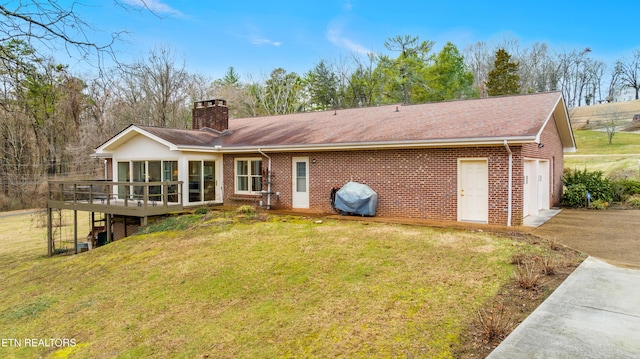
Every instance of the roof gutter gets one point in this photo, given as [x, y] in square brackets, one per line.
[510, 184]
[494, 141]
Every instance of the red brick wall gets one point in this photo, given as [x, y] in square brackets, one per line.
[413, 183]
[552, 151]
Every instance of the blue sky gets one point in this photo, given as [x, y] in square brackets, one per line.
[256, 37]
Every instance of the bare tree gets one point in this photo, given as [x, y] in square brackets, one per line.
[573, 68]
[629, 72]
[281, 93]
[50, 25]
[154, 91]
[595, 80]
[479, 59]
[363, 88]
[612, 122]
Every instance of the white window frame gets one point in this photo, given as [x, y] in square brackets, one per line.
[249, 175]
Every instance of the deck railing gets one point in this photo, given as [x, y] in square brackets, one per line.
[139, 199]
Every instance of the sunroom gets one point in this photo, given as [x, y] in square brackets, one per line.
[137, 155]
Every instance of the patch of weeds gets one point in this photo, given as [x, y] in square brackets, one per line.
[520, 258]
[202, 210]
[246, 210]
[68, 352]
[28, 310]
[57, 251]
[171, 224]
[554, 245]
[634, 201]
[599, 204]
[549, 265]
[496, 322]
[526, 276]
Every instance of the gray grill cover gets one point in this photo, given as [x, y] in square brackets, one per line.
[357, 198]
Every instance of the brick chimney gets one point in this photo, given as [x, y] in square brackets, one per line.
[213, 114]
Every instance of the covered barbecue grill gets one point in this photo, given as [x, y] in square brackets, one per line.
[356, 198]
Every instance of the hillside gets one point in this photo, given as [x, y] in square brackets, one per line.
[219, 286]
[583, 115]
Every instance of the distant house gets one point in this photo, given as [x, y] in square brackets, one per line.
[492, 160]
[624, 94]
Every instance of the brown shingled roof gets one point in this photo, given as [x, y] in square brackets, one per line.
[470, 122]
[495, 117]
[191, 138]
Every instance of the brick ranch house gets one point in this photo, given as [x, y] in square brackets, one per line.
[492, 160]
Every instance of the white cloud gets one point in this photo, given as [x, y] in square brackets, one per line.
[347, 5]
[253, 35]
[155, 6]
[259, 40]
[334, 34]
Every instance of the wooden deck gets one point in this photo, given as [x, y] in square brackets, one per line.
[128, 199]
[136, 199]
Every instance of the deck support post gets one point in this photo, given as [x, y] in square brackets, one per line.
[49, 232]
[75, 231]
[108, 225]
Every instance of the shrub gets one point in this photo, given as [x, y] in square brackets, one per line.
[579, 183]
[624, 188]
[575, 195]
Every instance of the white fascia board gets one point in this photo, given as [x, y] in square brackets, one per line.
[484, 142]
[101, 155]
[561, 109]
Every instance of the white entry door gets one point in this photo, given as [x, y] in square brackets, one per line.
[473, 190]
[300, 187]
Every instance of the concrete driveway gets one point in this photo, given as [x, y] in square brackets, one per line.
[595, 312]
[611, 235]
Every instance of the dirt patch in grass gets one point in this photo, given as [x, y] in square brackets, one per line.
[513, 303]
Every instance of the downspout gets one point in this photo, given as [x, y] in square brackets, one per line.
[268, 179]
[510, 180]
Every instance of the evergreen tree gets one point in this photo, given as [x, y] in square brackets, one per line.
[448, 77]
[323, 87]
[404, 76]
[504, 78]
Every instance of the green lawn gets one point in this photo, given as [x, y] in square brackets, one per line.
[597, 142]
[596, 154]
[222, 288]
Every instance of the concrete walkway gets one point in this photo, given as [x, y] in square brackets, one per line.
[594, 313]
